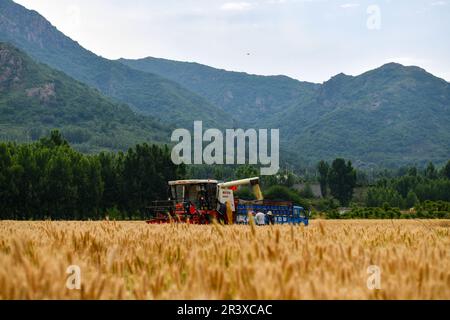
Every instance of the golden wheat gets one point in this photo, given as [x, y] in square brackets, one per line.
[133, 260]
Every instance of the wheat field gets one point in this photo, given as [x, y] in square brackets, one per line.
[133, 260]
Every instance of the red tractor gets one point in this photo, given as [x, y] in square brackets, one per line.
[200, 201]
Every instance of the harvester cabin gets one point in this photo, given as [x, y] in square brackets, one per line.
[201, 193]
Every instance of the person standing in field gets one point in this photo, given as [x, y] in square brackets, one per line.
[260, 218]
[270, 216]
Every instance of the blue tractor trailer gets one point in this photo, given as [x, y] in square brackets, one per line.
[276, 212]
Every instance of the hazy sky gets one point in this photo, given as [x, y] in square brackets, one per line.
[310, 40]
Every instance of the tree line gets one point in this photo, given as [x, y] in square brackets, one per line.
[339, 178]
[405, 190]
[412, 188]
[50, 180]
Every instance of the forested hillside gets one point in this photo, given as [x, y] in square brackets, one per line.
[147, 93]
[35, 99]
[389, 116]
[253, 99]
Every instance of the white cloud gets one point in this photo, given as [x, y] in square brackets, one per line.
[236, 6]
[439, 3]
[349, 5]
[276, 1]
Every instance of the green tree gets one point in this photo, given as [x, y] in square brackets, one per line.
[245, 193]
[246, 171]
[378, 196]
[446, 170]
[307, 191]
[49, 179]
[218, 173]
[268, 181]
[323, 168]
[109, 170]
[288, 179]
[342, 181]
[430, 171]
[61, 190]
[412, 171]
[285, 194]
[362, 179]
[54, 140]
[405, 184]
[372, 197]
[411, 199]
[5, 180]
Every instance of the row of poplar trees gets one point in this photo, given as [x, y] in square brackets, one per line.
[50, 180]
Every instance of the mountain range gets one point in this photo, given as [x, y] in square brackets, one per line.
[35, 99]
[253, 99]
[145, 92]
[390, 116]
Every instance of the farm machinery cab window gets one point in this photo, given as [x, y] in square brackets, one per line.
[202, 195]
[177, 193]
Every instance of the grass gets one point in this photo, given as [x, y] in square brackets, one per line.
[133, 260]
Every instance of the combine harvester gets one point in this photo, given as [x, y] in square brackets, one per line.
[202, 201]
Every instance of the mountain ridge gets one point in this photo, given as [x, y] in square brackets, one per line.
[145, 92]
[391, 115]
[35, 99]
[259, 95]
[344, 105]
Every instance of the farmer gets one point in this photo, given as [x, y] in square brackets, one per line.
[270, 216]
[260, 218]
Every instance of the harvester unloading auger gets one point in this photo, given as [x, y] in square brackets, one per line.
[202, 201]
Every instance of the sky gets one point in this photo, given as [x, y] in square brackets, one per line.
[310, 40]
